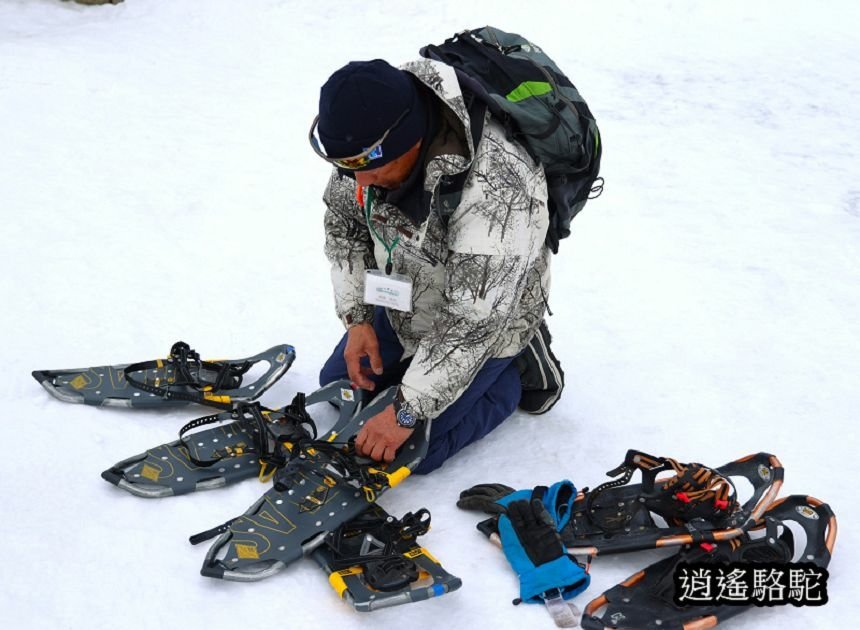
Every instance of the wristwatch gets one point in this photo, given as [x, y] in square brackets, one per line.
[403, 414]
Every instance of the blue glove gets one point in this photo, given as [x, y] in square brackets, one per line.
[529, 529]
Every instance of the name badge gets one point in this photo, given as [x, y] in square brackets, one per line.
[392, 291]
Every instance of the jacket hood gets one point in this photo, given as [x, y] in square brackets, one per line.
[441, 79]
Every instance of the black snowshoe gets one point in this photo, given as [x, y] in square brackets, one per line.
[323, 485]
[649, 600]
[179, 379]
[247, 443]
[374, 561]
[693, 504]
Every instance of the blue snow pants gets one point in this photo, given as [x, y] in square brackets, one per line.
[487, 402]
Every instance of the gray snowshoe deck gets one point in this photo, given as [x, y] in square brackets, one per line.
[323, 486]
[621, 519]
[108, 385]
[647, 600]
[232, 448]
[409, 573]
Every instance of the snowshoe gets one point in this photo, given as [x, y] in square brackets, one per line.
[177, 380]
[374, 561]
[246, 443]
[795, 529]
[693, 504]
[323, 485]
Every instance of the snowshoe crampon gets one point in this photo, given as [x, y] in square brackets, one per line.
[323, 485]
[374, 561]
[690, 503]
[246, 443]
[796, 529]
[179, 379]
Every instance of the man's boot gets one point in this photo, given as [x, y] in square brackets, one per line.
[540, 374]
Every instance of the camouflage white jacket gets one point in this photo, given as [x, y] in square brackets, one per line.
[480, 276]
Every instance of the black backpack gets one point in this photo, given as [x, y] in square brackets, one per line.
[539, 107]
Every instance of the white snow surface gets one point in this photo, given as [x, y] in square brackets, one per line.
[156, 185]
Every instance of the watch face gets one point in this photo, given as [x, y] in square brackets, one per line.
[405, 419]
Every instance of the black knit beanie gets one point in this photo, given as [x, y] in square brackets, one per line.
[364, 99]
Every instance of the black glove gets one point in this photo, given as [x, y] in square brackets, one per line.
[484, 497]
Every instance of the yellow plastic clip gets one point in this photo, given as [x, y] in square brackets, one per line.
[397, 476]
[393, 478]
[337, 580]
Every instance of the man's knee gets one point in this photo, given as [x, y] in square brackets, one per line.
[496, 405]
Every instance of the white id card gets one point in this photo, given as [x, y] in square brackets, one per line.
[394, 291]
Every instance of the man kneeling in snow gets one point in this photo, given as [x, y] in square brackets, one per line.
[444, 299]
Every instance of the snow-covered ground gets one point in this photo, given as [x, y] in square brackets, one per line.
[156, 184]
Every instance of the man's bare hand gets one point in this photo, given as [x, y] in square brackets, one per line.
[361, 342]
[381, 436]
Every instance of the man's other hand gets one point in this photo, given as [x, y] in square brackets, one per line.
[361, 342]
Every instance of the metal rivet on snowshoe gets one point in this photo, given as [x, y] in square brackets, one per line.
[237, 465]
[279, 502]
[250, 530]
[180, 479]
[318, 523]
[220, 470]
[164, 458]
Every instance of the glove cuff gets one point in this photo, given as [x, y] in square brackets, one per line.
[562, 573]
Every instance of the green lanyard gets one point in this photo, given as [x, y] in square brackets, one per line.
[388, 248]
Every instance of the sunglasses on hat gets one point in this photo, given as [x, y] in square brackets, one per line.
[352, 162]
